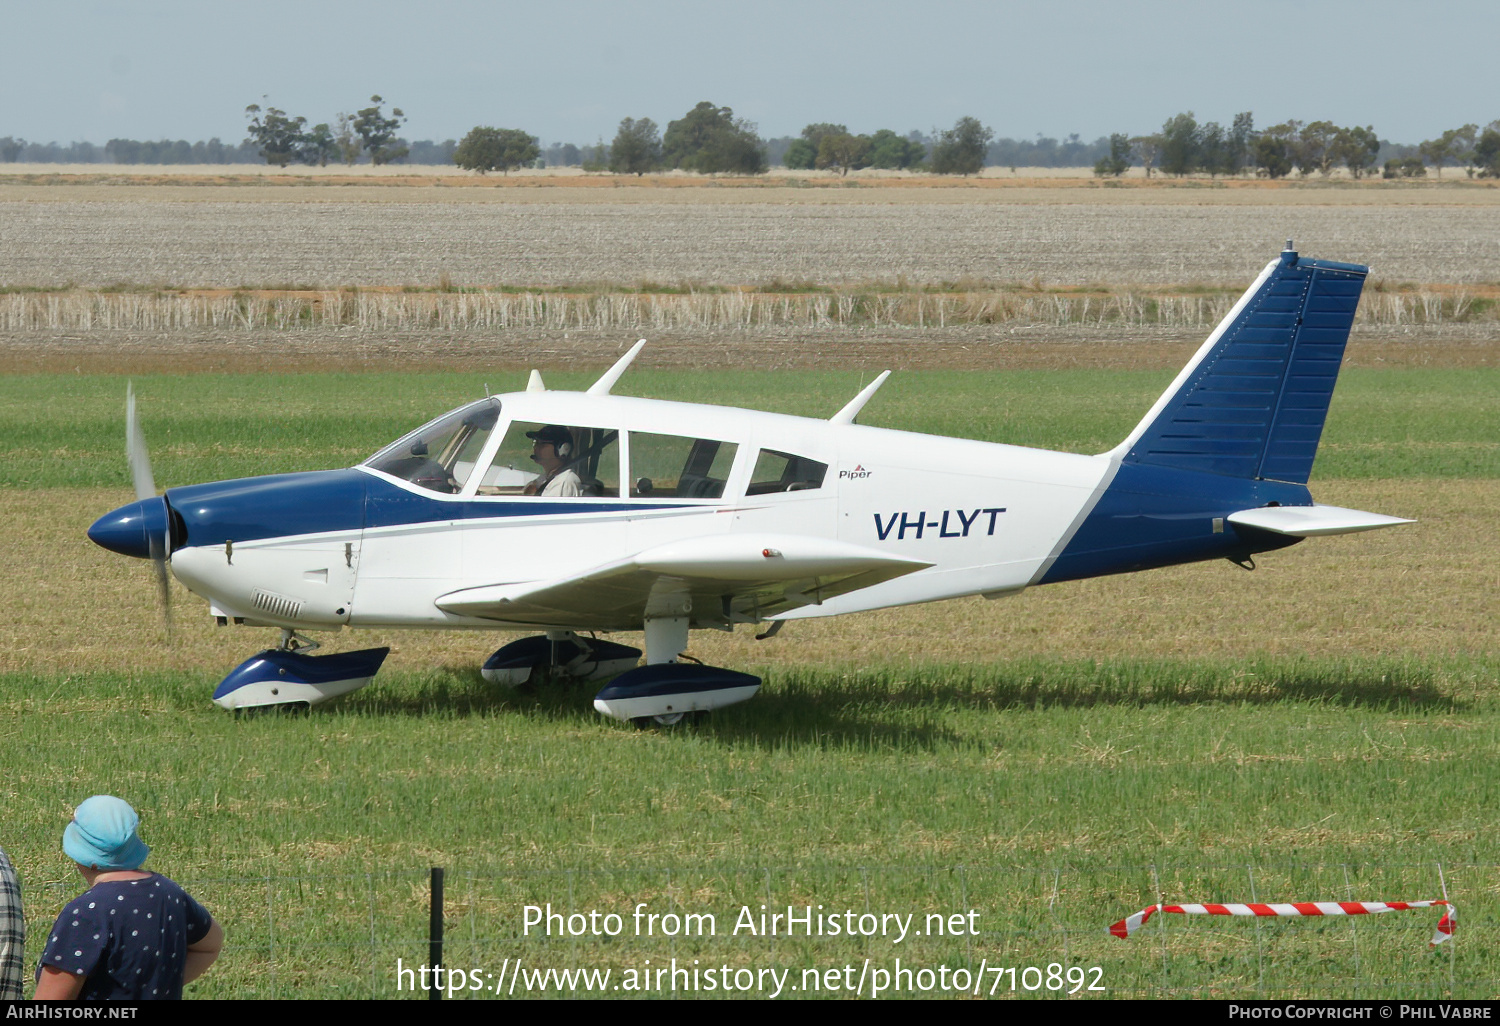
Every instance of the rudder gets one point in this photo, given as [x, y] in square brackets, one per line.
[1253, 401]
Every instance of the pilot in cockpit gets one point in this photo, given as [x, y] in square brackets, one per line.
[553, 452]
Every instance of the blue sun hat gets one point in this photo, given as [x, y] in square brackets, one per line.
[103, 835]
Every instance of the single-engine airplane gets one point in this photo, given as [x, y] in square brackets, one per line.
[571, 512]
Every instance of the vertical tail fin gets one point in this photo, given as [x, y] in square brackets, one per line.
[1252, 402]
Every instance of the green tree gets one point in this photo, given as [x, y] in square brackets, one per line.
[1356, 148]
[710, 140]
[961, 149]
[1237, 143]
[278, 136]
[487, 149]
[318, 146]
[1212, 146]
[636, 149]
[1487, 151]
[1118, 161]
[843, 153]
[1147, 149]
[803, 153]
[1453, 146]
[889, 150]
[1404, 167]
[1275, 149]
[1317, 148]
[596, 158]
[10, 149]
[378, 133]
[1179, 145]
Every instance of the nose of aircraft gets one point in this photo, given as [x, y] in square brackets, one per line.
[129, 529]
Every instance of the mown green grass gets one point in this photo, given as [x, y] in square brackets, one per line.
[66, 430]
[1054, 796]
[1059, 788]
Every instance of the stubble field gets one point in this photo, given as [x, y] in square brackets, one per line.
[51, 236]
[1322, 729]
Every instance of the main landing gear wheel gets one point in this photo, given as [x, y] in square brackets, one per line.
[663, 720]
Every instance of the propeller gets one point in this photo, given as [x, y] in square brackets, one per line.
[145, 488]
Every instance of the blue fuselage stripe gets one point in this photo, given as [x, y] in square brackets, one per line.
[332, 501]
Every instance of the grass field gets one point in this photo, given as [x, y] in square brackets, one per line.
[63, 430]
[1322, 729]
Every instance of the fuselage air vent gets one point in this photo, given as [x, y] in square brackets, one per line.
[279, 606]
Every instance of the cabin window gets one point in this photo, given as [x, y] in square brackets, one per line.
[440, 456]
[672, 466]
[555, 460]
[783, 472]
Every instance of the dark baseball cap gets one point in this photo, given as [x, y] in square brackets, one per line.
[555, 434]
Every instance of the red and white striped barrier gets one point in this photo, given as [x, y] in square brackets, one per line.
[1125, 927]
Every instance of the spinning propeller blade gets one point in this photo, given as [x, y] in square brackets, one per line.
[145, 488]
[135, 450]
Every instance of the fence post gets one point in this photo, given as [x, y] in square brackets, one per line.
[435, 933]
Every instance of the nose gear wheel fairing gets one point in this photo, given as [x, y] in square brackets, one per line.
[286, 677]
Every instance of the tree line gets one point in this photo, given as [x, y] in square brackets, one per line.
[1185, 147]
[710, 139]
[282, 139]
[707, 139]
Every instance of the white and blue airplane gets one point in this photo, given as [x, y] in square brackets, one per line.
[571, 512]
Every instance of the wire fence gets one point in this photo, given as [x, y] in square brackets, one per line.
[495, 310]
[1000, 931]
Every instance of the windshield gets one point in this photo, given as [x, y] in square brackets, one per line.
[441, 455]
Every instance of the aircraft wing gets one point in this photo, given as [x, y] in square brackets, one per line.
[1312, 521]
[738, 578]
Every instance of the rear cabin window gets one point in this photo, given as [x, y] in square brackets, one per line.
[440, 456]
[672, 466]
[783, 472]
[588, 461]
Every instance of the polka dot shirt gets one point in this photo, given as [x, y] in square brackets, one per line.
[128, 937]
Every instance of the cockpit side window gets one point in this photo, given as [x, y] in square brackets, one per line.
[783, 472]
[555, 460]
[440, 456]
[673, 466]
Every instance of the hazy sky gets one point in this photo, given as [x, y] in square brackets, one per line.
[569, 70]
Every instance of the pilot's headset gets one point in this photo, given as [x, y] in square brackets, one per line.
[559, 437]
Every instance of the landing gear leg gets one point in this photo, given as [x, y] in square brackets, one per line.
[666, 639]
[291, 641]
